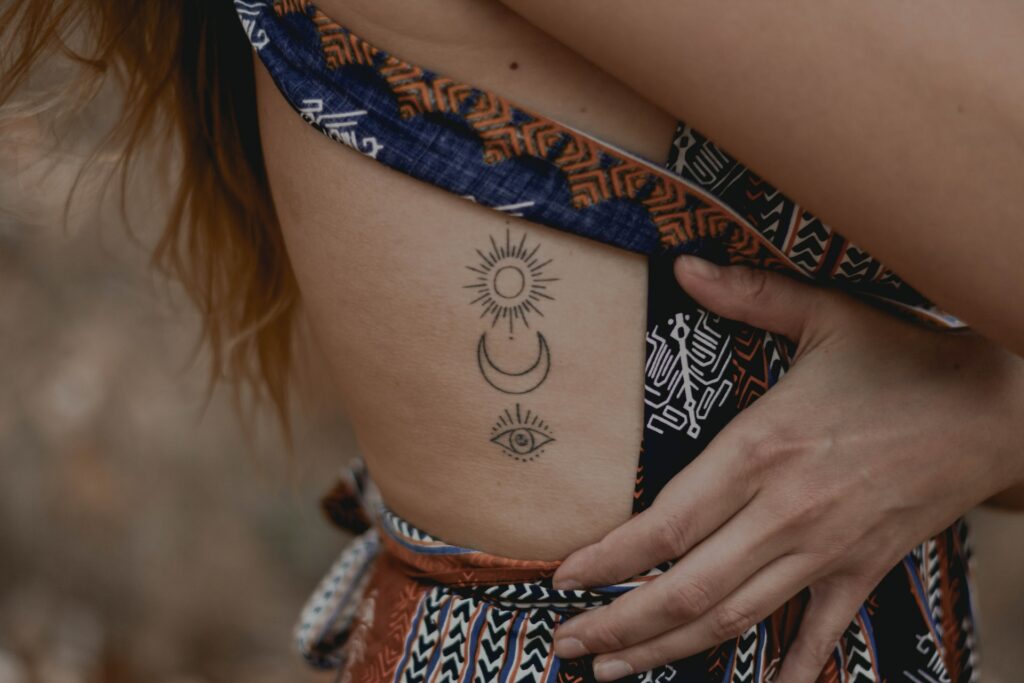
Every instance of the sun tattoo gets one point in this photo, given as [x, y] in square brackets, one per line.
[520, 436]
[510, 282]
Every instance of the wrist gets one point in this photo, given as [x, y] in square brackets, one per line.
[1009, 469]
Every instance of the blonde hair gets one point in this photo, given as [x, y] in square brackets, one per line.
[186, 69]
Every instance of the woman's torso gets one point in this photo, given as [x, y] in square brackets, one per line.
[388, 266]
[402, 282]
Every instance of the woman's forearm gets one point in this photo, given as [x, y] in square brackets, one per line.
[1011, 498]
[900, 124]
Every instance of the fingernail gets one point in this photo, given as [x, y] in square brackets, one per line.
[610, 669]
[696, 266]
[566, 584]
[569, 648]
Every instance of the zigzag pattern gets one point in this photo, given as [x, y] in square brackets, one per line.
[456, 638]
[744, 657]
[750, 366]
[931, 579]
[745, 249]
[855, 265]
[593, 174]
[809, 243]
[494, 644]
[669, 211]
[580, 161]
[532, 594]
[409, 534]
[542, 138]
[859, 661]
[638, 480]
[536, 656]
[970, 673]
[776, 208]
[889, 279]
[805, 241]
[282, 7]
[328, 614]
[957, 630]
[758, 362]
[492, 119]
[423, 637]
[962, 549]
[453, 649]
[339, 46]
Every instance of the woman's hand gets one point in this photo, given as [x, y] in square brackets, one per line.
[880, 436]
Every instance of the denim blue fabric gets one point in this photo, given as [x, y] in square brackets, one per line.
[439, 149]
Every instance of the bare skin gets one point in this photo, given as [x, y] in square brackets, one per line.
[901, 128]
[900, 124]
[880, 436]
[382, 264]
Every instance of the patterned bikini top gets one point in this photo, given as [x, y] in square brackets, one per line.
[700, 369]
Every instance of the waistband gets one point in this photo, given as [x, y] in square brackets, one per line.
[384, 537]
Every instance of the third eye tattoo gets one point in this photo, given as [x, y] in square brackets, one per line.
[521, 435]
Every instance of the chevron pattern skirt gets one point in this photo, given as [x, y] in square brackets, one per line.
[402, 605]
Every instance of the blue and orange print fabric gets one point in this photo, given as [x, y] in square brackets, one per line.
[402, 605]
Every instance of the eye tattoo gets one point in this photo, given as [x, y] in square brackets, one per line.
[522, 437]
[510, 282]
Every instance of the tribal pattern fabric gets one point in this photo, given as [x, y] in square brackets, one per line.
[418, 122]
[401, 605]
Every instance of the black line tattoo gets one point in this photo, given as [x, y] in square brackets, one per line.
[510, 282]
[521, 436]
[520, 382]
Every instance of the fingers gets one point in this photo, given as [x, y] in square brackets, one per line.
[690, 507]
[765, 592]
[827, 617]
[759, 298]
[706, 575]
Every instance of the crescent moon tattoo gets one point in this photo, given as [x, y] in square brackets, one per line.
[515, 382]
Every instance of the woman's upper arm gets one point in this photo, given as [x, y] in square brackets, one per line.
[902, 125]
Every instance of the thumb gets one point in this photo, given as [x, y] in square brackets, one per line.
[759, 298]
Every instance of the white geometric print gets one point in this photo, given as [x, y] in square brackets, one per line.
[688, 365]
[247, 11]
[663, 674]
[340, 126]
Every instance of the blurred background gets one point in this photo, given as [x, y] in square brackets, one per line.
[144, 534]
[142, 538]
